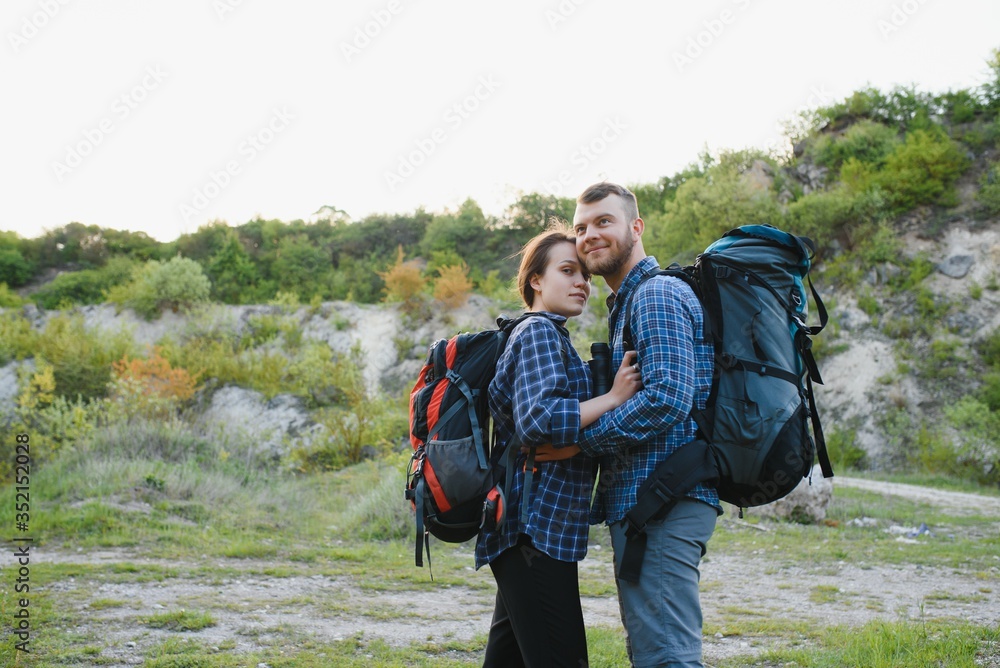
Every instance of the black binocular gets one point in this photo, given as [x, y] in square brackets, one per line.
[600, 368]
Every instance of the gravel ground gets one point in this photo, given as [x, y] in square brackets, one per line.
[248, 609]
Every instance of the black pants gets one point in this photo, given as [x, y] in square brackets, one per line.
[538, 621]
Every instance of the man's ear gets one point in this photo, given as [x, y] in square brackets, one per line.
[638, 226]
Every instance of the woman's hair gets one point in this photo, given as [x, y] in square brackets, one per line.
[535, 257]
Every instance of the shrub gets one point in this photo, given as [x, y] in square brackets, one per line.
[358, 423]
[989, 348]
[81, 359]
[153, 440]
[225, 360]
[989, 189]
[317, 375]
[922, 170]
[900, 106]
[54, 422]
[232, 272]
[942, 360]
[453, 285]
[978, 449]
[705, 207]
[149, 387]
[17, 339]
[961, 105]
[15, 270]
[844, 451]
[89, 286]
[8, 298]
[378, 513]
[989, 393]
[495, 287]
[177, 284]
[866, 141]
[403, 280]
[822, 216]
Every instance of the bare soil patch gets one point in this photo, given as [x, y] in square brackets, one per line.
[250, 609]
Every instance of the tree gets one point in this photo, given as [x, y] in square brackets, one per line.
[464, 232]
[206, 242]
[300, 266]
[403, 280]
[991, 89]
[532, 213]
[707, 206]
[232, 272]
[453, 286]
[15, 269]
[178, 284]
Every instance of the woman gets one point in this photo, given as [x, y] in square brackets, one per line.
[541, 394]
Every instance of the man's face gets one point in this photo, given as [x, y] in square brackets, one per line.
[605, 237]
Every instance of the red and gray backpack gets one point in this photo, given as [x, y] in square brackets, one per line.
[453, 468]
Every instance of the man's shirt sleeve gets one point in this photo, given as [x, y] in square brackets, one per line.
[664, 337]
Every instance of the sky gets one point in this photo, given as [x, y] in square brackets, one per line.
[162, 117]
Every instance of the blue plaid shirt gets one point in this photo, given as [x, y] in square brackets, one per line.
[676, 369]
[536, 393]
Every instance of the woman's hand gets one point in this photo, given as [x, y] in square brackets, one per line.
[628, 379]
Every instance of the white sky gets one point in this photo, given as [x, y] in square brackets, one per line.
[161, 116]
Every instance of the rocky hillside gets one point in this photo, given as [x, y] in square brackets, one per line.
[871, 374]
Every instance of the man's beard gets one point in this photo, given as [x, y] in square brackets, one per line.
[615, 261]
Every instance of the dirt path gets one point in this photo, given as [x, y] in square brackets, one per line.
[959, 502]
[248, 609]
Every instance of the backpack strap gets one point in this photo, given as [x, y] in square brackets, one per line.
[423, 541]
[670, 482]
[470, 405]
[685, 274]
[627, 342]
[822, 455]
[679, 473]
[510, 452]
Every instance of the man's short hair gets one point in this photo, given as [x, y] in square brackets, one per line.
[599, 191]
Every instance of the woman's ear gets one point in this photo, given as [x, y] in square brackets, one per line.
[536, 283]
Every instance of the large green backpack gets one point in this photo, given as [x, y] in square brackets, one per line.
[761, 409]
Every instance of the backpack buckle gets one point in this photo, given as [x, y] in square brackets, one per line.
[726, 360]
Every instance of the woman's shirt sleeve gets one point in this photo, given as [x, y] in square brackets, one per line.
[543, 405]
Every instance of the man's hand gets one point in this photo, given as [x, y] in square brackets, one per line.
[549, 453]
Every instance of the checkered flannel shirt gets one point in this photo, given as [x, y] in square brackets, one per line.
[676, 369]
[536, 394]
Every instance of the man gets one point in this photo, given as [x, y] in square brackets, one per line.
[662, 610]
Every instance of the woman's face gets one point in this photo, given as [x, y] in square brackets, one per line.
[561, 288]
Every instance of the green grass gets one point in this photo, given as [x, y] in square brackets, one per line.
[887, 645]
[959, 541]
[209, 523]
[106, 604]
[180, 620]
